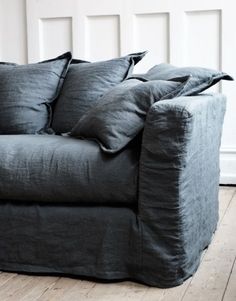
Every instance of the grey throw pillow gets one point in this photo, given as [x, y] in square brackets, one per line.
[85, 83]
[26, 92]
[121, 112]
[201, 78]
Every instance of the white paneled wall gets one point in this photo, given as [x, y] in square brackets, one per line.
[185, 32]
[98, 28]
[13, 37]
[54, 32]
[151, 31]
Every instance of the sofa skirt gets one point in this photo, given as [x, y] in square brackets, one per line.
[108, 243]
[103, 242]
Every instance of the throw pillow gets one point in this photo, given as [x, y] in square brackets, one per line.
[121, 112]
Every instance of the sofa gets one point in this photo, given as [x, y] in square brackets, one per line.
[108, 176]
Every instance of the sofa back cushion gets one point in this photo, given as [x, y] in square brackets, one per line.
[26, 92]
[85, 83]
[201, 78]
[121, 112]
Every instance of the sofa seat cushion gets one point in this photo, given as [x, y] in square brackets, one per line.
[50, 168]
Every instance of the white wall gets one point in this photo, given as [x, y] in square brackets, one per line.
[186, 32]
[13, 41]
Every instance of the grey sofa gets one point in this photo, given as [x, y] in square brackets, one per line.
[148, 216]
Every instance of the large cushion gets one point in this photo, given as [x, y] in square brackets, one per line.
[121, 112]
[50, 168]
[201, 78]
[83, 86]
[26, 92]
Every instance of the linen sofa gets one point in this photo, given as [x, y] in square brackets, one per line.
[145, 212]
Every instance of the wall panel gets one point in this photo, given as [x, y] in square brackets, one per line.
[55, 31]
[102, 37]
[203, 41]
[13, 36]
[151, 32]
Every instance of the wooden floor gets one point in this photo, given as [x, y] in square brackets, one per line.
[215, 279]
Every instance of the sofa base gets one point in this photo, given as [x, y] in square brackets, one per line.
[100, 242]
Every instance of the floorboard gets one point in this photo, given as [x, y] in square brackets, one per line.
[230, 291]
[211, 279]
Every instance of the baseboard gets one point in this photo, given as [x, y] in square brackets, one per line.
[228, 165]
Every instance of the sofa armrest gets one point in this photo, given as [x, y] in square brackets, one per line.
[178, 183]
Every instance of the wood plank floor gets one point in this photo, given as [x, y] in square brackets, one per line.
[215, 279]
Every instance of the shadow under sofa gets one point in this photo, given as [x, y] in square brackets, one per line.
[156, 238]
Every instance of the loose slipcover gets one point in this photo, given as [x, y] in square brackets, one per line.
[50, 168]
[179, 184]
[159, 241]
[121, 112]
[26, 92]
[83, 86]
[201, 78]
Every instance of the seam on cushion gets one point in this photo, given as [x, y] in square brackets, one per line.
[58, 89]
[65, 55]
[47, 126]
[62, 76]
[130, 69]
[132, 63]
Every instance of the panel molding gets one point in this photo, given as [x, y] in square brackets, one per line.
[205, 27]
[48, 36]
[199, 27]
[151, 31]
[96, 26]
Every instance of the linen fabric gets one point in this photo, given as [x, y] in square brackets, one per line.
[51, 168]
[85, 83]
[159, 239]
[201, 78]
[120, 114]
[26, 92]
[179, 183]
